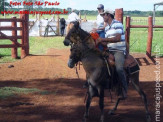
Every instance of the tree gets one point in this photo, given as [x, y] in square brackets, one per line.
[4, 5]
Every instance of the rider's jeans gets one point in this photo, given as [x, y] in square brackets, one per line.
[102, 35]
[119, 63]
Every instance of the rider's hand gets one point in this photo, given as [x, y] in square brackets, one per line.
[98, 40]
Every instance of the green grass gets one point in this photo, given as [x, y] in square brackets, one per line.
[138, 40]
[38, 45]
[6, 92]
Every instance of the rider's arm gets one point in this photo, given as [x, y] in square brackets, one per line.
[114, 39]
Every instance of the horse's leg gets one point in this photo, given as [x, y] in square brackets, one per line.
[88, 102]
[135, 83]
[101, 103]
[112, 112]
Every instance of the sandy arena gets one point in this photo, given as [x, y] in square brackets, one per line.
[66, 102]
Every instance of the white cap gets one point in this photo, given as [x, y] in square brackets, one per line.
[109, 11]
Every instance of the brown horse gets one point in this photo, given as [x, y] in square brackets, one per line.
[83, 49]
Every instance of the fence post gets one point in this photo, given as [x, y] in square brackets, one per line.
[119, 14]
[127, 34]
[150, 36]
[79, 15]
[14, 52]
[58, 28]
[85, 17]
[24, 33]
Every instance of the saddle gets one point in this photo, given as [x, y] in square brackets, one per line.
[130, 64]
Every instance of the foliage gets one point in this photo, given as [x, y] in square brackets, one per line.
[3, 4]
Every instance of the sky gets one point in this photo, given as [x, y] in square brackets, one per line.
[143, 5]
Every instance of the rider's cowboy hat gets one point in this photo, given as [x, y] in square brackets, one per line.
[107, 11]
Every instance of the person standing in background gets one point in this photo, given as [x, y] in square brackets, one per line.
[46, 27]
[73, 17]
[100, 24]
[62, 25]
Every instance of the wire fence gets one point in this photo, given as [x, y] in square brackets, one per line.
[138, 36]
[145, 21]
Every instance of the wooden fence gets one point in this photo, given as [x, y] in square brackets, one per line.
[150, 27]
[24, 34]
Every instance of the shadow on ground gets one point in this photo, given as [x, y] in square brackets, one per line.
[65, 104]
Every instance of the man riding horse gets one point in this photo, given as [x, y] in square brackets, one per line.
[115, 38]
[83, 48]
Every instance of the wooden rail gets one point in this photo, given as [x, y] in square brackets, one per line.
[150, 27]
[24, 35]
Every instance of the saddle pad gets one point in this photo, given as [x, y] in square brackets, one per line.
[133, 69]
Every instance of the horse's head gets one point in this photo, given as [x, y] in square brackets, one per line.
[73, 34]
[75, 55]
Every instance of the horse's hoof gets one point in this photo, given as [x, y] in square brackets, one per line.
[148, 118]
[111, 112]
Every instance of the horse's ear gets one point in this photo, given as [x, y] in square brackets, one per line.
[76, 24]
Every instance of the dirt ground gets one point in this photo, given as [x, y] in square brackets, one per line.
[66, 103]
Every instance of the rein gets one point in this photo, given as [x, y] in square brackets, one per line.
[86, 33]
[77, 69]
[86, 38]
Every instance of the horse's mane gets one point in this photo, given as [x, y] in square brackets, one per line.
[87, 42]
[83, 34]
[94, 50]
